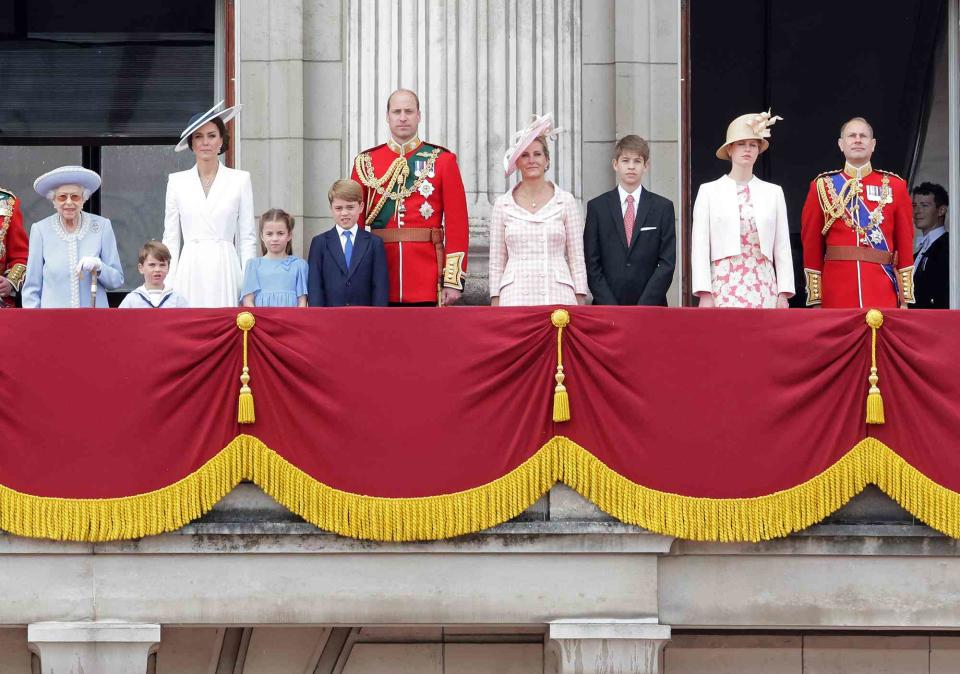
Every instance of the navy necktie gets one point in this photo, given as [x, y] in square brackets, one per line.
[348, 247]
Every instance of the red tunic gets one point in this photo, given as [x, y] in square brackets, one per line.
[854, 283]
[436, 200]
[13, 242]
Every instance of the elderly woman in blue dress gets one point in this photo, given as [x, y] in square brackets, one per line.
[71, 252]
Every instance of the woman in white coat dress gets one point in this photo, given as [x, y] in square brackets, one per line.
[209, 210]
[740, 249]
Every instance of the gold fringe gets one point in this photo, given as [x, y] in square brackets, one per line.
[874, 399]
[245, 411]
[448, 515]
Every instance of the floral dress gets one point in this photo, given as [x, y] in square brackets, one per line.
[746, 280]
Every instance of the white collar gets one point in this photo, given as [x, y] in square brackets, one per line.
[624, 194]
[352, 230]
[930, 237]
[151, 295]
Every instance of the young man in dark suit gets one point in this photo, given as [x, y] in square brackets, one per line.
[347, 265]
[931, 258]
[629, 238]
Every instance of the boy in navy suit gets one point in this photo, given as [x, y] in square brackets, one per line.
[629, 239]
[348, 266]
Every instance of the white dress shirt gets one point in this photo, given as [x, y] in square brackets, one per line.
[925, 242]
[343, 239]
[623, 198]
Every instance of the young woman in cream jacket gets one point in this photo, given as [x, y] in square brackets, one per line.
[740, 250]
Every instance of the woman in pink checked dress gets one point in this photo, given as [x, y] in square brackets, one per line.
[536, 231]
[740, 250]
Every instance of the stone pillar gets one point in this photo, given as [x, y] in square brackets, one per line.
[481, 68]
[270, 87]
[103, 647]
[631, 76]
[606, 647]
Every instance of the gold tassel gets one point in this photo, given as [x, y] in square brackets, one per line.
[874, 399]
[561, 402]
[245, 413]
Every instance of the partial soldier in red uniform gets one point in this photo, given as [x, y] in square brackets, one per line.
[413, 198]
[13, 248]
[857, 231]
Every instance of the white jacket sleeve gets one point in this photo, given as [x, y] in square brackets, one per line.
[782, 255]
[246, 224]
[172, 235]
[700, 280]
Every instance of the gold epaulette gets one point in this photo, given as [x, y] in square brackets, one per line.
[371, 149]
[439, 147]
[828, 173]
[889, 173]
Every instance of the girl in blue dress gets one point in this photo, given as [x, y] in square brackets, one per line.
[279, 278]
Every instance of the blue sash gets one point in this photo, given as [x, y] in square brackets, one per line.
[874, 235]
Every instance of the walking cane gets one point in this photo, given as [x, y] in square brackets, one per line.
[93, 289]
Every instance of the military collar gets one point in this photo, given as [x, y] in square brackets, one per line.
[406, 148]
[858, 173]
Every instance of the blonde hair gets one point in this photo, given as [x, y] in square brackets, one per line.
[276, 215]
[345, 190]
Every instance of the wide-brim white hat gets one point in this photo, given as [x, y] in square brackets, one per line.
[752, 126]
[48, 183]
[202, 118]
[540, 125]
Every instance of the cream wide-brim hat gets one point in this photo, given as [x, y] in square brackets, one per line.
[752, 126]
[48, 183]
[202, 118]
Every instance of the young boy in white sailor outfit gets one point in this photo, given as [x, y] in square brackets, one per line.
[154, 263]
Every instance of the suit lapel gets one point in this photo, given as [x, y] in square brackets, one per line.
[336, 251]
[643, 209]
[359, 250]
[616, 215]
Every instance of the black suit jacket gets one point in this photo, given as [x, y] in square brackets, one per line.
[638, 273]
[931, 278]
[331, 284]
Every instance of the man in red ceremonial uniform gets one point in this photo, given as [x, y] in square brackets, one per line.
[13, 248]
[413, 199]
[857, 230]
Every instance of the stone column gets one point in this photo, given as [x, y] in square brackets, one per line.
[481, 68]
[606, 647]
[270, 44]
[631, 84]
[103, 647]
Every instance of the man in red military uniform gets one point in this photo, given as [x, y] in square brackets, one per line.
[13, 248]
[857, 231]
[413, 199]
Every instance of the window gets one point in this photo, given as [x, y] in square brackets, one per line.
[108, 85]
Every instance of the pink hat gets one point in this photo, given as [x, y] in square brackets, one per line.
[539, 126]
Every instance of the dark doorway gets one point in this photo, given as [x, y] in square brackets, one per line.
[816, 65]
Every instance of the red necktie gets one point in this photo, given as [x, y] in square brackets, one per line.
[629, 218]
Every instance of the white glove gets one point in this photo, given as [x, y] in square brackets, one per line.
[89, 264]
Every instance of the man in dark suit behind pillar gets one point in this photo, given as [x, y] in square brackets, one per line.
[931, 259]
[629, 237]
